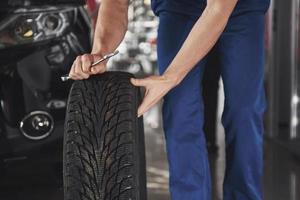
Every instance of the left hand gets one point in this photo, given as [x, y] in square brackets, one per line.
[81, 68]
[156, 87]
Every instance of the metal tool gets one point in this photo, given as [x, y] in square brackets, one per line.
[107, 56]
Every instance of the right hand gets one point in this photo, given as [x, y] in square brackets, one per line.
[81, 68]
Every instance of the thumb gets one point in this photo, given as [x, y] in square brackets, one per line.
[101, 67]
[98, 69]
[138, 82]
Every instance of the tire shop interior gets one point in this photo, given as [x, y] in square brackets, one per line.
[38, 44]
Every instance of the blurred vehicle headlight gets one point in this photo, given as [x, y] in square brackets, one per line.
[30, 26]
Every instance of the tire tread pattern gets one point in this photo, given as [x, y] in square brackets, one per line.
[104, 156]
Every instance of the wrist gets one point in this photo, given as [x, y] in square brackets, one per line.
[99, 49]
[172, 77]
[97, 52]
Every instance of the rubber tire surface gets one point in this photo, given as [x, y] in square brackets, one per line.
[104, 150]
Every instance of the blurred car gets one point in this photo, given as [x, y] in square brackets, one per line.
[38, 43]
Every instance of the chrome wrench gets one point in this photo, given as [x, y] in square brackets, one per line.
[107, 56]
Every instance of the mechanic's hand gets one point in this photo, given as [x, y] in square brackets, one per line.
[81, 68]
[156, 87]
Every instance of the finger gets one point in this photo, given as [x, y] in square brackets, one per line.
[98, 69]
[72, 74]
[78, 69]
[139, 82]
[148, 101]
[86, 61]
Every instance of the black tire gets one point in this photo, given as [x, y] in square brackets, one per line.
[104, 151]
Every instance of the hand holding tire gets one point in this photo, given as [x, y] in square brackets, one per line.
[82, 66]
[156, 88]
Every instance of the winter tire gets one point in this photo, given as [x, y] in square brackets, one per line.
[104, 151]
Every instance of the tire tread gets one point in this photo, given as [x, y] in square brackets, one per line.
[103, 140]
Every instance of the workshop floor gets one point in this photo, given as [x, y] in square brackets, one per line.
[29, 181]
[281, 169]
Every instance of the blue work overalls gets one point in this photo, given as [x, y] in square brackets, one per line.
[241, 52]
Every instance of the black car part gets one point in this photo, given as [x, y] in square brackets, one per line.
[38, 43]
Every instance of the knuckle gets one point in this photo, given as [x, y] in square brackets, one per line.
[86, 65]
[85, 60]
[78, 68]
[85, 69]
[85, 57]
[77, 71]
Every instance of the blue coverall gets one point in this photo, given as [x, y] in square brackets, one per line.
[241, 50]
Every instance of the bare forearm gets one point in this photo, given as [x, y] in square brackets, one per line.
[201, 39]
[111, 25]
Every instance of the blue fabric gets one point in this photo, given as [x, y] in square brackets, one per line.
[241, 51]
[195, 7]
